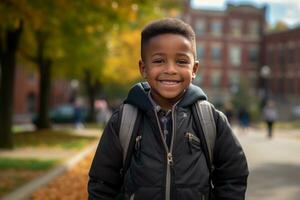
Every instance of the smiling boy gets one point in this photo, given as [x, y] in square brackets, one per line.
[165, 164]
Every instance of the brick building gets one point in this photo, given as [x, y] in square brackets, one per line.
[26, 93]
[228, 46]
[281, 52]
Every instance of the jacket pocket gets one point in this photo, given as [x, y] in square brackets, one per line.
[193, 142]
[147, 193]
[191, 193]
[132, 197]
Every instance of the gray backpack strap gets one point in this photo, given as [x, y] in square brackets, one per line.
[204, 111]
[129, 115]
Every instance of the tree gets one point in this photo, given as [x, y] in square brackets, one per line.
[8, 48]
[43, 37]
[88, 47]
[279, 26]
[11, 26]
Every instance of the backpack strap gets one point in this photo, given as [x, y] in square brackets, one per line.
[129, 116]
[206, 123]
[204, 112]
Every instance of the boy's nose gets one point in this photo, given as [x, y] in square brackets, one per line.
[171, 68]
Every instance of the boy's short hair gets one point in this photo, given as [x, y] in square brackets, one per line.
[164, 26]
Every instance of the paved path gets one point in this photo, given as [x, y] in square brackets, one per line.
[274, 164]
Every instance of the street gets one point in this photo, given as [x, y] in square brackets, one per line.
[274, 164]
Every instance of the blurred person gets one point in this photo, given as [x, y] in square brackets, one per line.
[165, 164]
[270, 116]
[104, 113]
[78, 115]
[228, 111]
[244, 118]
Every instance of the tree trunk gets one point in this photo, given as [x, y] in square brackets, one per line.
[8, 65]
[91, 92]
[44, 97]
[44, 65]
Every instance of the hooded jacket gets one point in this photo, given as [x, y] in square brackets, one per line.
[178, 172]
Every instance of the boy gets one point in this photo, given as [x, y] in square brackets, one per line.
[165, 164]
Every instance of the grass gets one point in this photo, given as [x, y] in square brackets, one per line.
[94, 125]
[23, 163]
[16, 171]
[289, 125]
[51, 138]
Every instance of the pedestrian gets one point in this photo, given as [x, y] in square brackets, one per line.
[244, 118]
[78, 115]
[270, 116]
[228, 111]
[168, 64]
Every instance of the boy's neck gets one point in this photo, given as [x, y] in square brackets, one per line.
[163, 103]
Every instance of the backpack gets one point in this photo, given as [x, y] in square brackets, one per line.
[201, 110]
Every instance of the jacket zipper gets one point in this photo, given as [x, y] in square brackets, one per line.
[169, 152]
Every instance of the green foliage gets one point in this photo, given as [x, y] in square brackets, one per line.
[24, 163]
[245, 98]
[51, 139]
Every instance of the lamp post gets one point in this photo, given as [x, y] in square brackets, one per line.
[265, 73]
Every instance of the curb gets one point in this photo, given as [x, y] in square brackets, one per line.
[25, 191]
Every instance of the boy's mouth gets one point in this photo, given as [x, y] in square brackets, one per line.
[169, 82]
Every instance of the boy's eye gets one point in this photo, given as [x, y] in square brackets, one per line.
[182, 62]
[158, 61]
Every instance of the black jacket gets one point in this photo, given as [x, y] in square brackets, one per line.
[157, 172]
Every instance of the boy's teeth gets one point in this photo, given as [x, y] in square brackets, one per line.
[169, 82]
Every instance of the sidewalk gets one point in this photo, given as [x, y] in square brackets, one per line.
[274, 164]
[69, 158]
[277, 133]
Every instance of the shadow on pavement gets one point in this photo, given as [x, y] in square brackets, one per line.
[266, 181]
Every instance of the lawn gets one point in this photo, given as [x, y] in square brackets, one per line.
[52, 138]
[295, 124]
[15, 171]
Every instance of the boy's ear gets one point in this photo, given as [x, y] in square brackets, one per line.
[142, 69]
[195, 69]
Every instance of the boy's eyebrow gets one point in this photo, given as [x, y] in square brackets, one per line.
[184, 54]
[158, 54]
[178, 54]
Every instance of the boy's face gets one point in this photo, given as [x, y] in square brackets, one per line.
[169, 66]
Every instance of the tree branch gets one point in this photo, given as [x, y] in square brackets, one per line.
[27, 56]
[1, 44]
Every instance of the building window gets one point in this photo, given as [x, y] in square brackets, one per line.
[31, 102]
[236, 27]
[31, 78]
[291, 55]
[253, 55]
[215, 80]
[281, 57]
[216, 53]
[234, 80]
[216, 28]
[200, 51]
[253, 29]
[235, 55]
[200, 27]
[270, 57]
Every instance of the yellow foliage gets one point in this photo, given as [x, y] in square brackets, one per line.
[122, 62]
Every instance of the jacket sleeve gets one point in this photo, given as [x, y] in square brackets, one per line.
[104, 175]
[230, 165]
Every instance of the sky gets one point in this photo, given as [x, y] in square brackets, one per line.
[278, 10]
